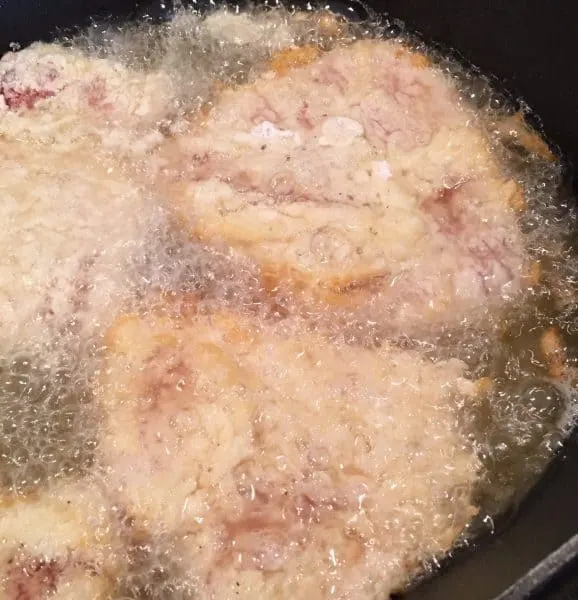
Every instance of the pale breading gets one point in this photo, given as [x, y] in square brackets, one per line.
[70, 230]
[358, 179]
[57, 544]
[281, 460]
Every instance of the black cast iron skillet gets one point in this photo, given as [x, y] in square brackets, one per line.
[532, 48]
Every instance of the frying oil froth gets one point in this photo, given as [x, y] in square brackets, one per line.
[232, 432]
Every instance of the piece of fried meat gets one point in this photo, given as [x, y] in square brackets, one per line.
[51, 90]
[283, 465]
[359, 180]
[71, 230]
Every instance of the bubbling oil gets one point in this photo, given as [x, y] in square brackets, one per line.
[48, 430]
[527, 403]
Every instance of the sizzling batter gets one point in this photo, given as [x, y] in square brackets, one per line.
[281, 464]
[358, 180]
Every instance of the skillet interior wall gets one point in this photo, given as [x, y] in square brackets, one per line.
[531, 47]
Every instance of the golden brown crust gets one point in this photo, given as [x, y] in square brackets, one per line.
[517, 200]
[484, 385]
[516, 128]
[552, 347]
[417, 60]
[291, 58]
[336, 291]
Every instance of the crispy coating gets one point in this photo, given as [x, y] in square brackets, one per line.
[355, 180]
[280, 460]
